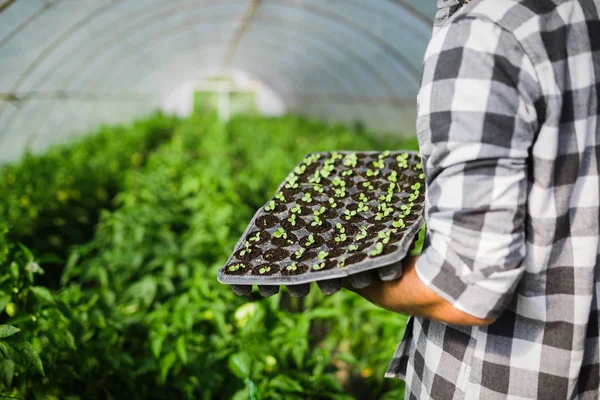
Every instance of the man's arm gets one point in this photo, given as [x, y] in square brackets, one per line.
[410, 296]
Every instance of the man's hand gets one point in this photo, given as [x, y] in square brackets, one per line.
[409, 295]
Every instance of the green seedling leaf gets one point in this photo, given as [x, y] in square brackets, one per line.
[318, 267]
[322, 255]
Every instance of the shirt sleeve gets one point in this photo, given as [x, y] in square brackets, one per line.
[476, 123]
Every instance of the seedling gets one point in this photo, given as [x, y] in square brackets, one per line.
[292, 219]
[371, 172]
[280, 233]
[299, 253]
[383, 212]
[326, 170]
[385, 236]
[270, 206]
[292, 267]
[349, 214]
[393, 177]
[332, 203]
[341, 238]
[363, 198]
[307, 198]
[338, 182]
[292, 182]
[384, 154]
[236, 267]
[406, 208]
[318, 267]
[347, 172]
[320, 211]
[340, 192]
[418, 166]
[343, 263]
[379, 164]
[340, 228]
[296, 209]
[402, 160]
[353, 247]
[313, 158]
[279, 196]
[264, 270]
[310, 240]
[421, 176]
[362, 234]
[378, 249]
[316, 221]
[300, 169]
[322, 255]
[350, 160]
[368, 185]
[399, 224]
[246, 250]
[316, 178]
[362, 207]
[416, 186]
[255, 238]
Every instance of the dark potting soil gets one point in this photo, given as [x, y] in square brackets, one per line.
[255, 252]
[355, 258]
[266, 221]
[268, 269]
[276, 254]
[281, 242]
[300, 269]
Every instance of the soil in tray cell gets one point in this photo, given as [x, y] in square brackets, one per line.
[299, 223]
[244, 255]
[374, 220]
[355, 258]
[265, 270]
[276, 254]
[323, 265]
[281, 242]
[318, 241]
[266, 221]
[257, 237]
[304, 255]
[292, 269]
[236, 268]
[324, 227]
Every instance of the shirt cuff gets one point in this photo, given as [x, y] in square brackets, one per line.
[480, 295]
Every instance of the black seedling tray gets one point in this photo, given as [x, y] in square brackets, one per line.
[369, 209]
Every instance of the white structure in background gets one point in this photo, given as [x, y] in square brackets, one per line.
[181, 100]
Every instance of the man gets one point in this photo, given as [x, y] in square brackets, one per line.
[504, 297]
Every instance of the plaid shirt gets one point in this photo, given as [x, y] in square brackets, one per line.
[509, 131]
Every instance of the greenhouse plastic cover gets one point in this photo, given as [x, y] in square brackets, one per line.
[67, 66]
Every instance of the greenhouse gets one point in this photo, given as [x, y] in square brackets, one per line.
[226, 199]
[137, 139]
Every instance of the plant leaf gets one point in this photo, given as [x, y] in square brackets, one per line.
[21, 352]
[7, 330]
[239, 364]
[42, 294]
[7, 371]
[285, 384]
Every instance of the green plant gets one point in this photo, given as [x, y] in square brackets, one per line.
[292, 219]
[307, 198]
[368, 185]
[270, 206]
[318, 267]
[138, 313]
[322, 255]
[237, 267]
[298, 253]
[378, 249]
[332, 203]
[264, 270]
[280, 233]
[292, 267]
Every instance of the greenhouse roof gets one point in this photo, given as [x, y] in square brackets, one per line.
[68, 65]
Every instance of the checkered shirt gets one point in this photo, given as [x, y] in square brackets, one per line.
[509, 131]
